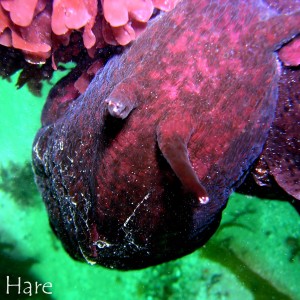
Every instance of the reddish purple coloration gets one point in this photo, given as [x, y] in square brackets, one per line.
[280, 159]
[289, 54]
[138, 169]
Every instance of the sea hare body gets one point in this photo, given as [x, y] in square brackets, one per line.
[280, 159]
[137, 170]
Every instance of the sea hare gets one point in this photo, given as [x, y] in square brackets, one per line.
[137, 170]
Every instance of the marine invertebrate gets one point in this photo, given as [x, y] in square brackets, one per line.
[101, 22]
[280, 159]
[57, 31]
[138, 169]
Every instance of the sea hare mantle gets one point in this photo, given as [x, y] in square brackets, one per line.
[138, 169]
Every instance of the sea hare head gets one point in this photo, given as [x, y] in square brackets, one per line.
[124, 212]
[151, 221]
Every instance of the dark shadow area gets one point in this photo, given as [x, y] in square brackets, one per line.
[273, 191]
[12, 60]
[35, 75]
[293, 244]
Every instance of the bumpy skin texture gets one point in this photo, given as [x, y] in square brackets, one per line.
[280, 159]
[138, 169]
[282, 150]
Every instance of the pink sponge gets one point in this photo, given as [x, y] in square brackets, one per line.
[40, 27]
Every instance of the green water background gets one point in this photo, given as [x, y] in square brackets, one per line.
[254, 255]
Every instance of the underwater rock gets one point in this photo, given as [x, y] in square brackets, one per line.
[137, 170]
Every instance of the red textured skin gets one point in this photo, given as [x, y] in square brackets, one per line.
[204, 75]
[280, 159]
[290, 54]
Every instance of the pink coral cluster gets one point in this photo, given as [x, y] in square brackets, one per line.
[39, 27]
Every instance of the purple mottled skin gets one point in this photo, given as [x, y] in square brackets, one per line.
[138, 170]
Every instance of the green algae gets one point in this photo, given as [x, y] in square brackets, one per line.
[17, 181]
